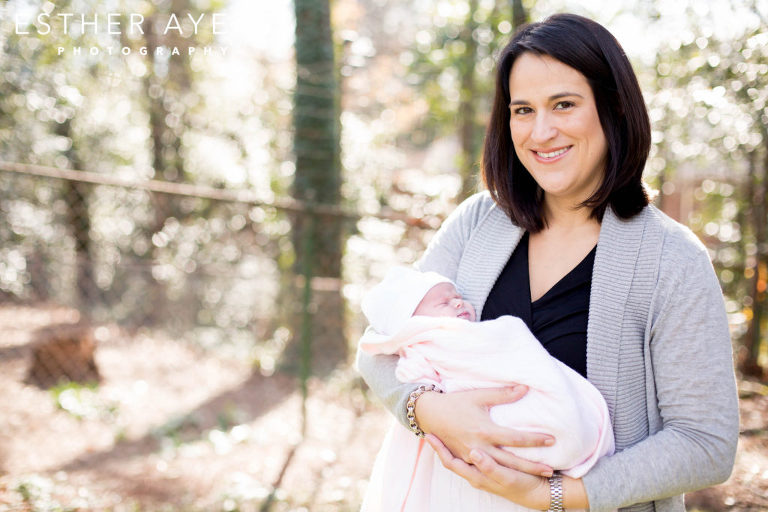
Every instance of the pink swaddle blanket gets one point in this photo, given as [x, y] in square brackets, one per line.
[457, 355]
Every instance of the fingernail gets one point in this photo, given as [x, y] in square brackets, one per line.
[476, 456]
[546, 474]
[549, 442]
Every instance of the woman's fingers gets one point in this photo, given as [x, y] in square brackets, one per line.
[507, 437]
[505, 395]
[526, 490]
[455, 464]
[438, 446]
[467, 471]
[501, 436]
[502, 458]
[486, 474]
[489, 467]
[461, 421]
[510, 460]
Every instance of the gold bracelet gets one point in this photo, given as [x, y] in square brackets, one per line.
[410, 407]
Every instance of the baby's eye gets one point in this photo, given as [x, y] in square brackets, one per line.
[564, 105]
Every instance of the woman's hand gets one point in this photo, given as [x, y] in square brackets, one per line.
[530, 491]
[486, 474]
[461, 422]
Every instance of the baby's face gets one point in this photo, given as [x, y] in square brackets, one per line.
[443, 300]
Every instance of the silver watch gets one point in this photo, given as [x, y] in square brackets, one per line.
[556, 493]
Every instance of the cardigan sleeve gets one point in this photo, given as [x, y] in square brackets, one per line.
[378, 372]
[442, 255]
[692, 367]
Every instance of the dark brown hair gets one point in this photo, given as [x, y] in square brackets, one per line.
[589, 48]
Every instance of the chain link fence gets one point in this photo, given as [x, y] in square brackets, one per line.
[164, 320]
[216, 268]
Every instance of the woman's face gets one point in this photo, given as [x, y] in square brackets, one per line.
[555, 128]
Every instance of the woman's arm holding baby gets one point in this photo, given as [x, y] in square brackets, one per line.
[460, 420]
[378, 371]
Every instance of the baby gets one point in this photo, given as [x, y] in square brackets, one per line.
[421, 317]
[443, 300]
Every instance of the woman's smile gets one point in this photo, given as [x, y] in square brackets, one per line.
[551, 155]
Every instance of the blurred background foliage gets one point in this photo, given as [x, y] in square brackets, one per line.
[404, 100]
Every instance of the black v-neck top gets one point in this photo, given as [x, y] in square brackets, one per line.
[558, 319]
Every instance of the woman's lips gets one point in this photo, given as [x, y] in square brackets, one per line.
[551, 155]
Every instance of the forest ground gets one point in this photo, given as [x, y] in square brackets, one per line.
[174, 427]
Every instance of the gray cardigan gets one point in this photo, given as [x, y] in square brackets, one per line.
[658, 349]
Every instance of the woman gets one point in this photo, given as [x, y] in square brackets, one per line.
[618, 291]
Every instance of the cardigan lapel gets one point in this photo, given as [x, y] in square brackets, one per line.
[485, 256]
[618, 248]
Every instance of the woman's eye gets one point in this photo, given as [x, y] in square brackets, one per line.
[522, 110]
[564, 105]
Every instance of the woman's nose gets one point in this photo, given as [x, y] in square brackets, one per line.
[543, 128]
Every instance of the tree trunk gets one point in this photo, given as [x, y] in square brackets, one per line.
[756, 194]
[519, 15]
[468, 130]
[318, 331]
[79, 221]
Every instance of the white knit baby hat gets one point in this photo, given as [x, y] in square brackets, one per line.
[389, 304]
